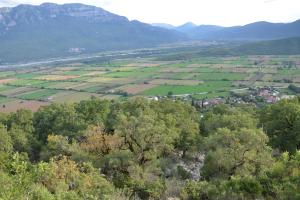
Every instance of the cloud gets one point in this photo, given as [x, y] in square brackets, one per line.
[269, 1]
[7, 3]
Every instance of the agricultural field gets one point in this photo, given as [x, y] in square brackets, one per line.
[206, 77]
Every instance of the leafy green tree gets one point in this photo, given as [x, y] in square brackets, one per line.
[22, 119]
[93, 111]
[6, 143]
[21, 140]
[4, 118]
[18, 177]
[149, 130]
[227, 117]
[202, 190]
[57, 145]
[183, 119]
[143, 130]
[145, 136]
[247, 187]
[236, 153]
[59, 119]
[281, 122]
[21, 129]
[66, 179]
[143, 182]
[39, 191]
[135, 145]
[282, 179]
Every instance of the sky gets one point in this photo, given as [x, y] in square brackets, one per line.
[177, 12]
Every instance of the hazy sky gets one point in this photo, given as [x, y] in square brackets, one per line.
[176, 12]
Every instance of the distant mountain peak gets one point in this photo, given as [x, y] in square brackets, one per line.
[260, 30]
[31, 13]
[188, 25]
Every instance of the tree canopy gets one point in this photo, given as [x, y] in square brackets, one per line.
[145, 149]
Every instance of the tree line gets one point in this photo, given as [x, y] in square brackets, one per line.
[135, 149]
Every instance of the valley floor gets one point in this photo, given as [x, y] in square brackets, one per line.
[199, 78]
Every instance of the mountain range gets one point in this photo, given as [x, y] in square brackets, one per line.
[49, 30]
[30, 32]
[254, 31]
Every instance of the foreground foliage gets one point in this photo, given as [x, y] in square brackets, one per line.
[141, 149]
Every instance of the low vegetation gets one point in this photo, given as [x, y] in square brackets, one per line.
[142, 149]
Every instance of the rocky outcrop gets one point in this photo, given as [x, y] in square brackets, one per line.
[193, 167]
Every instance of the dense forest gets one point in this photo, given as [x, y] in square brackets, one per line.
[142, 149]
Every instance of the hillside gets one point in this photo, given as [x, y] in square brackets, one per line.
[50, 30]
[253, 31]
[289, 46]
[31, 32]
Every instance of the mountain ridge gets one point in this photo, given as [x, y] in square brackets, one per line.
[49, 30]
[261, 30]
[30, 32]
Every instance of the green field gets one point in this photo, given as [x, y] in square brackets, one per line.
[221, 76]
[28, 82]
[6, 87]
[4, 99]
[37, 95]
[179, 89]
[205, 70]
[75, 72]
[289, 72]
[95, 89]
[203, 77]
[26, 76]
[4, 74]
[138, 73]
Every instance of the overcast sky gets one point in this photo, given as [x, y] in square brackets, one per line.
[176, 12]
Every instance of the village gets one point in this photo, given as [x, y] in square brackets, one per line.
[255, 95]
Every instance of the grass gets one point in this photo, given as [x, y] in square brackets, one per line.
[214, 74]
[27, 82]
[182, 64]
[209, 60]
[6, 74]
[95, 89]
[75, 72]
[73, 96]
[80, 79]
[181, 75]
[144, 73]
[83, 85]
[289, 72]
[240, 61]
[4, 99]
[61, 84]
[205, 70]
[6, 87]
[37, 95]
[26, 76]
[221, 76]
[179, 89]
